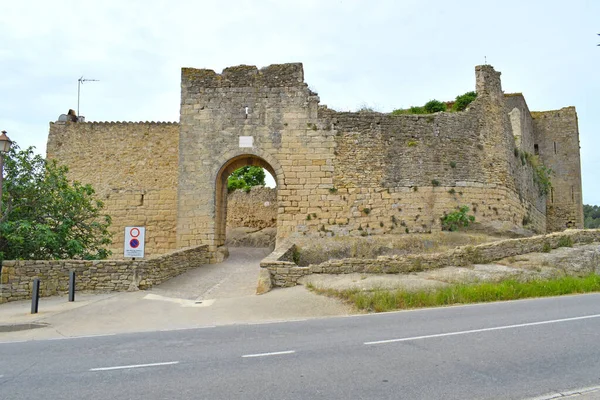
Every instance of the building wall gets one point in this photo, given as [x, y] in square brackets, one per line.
[557, 137]
[132, 167]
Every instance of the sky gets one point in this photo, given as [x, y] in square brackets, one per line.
[376, 53]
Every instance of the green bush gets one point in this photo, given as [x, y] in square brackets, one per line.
[462, 101]
[433, 106]
[457, 219]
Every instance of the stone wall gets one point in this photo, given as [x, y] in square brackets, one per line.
[16, 279]
[254, 209]
[395, 174]
[132, 167]
[337, 173]
[284, 272]
[557, 139]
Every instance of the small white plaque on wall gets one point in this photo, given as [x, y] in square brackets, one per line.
[246, 141]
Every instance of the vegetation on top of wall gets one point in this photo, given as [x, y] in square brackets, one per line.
[591, 216]
[462, 101]
[245, 178]
[433, 106]
[366, 108]
[45, 216]
[457, 219]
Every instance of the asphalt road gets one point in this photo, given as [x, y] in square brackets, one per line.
[511, 350]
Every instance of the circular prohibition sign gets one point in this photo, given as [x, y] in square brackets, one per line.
[136, 234]
[134, 242]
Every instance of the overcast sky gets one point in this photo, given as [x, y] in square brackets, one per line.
[383, 54]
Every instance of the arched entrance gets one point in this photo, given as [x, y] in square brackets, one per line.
[221, 189]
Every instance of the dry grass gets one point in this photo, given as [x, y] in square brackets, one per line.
[383, 300]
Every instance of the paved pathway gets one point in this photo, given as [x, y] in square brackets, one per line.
[217, 294]
[235, 277]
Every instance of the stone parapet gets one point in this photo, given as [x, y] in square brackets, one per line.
[285, 273]
[16, 277]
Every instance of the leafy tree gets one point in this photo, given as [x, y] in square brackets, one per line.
[591, 216]
[246, 177]
[44, 216]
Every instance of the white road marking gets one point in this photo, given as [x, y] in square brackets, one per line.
[276, 353]
[134, 366]
[496, 328]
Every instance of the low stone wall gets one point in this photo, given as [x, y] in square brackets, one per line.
[254, 209]
[284, 272]
[16, 278]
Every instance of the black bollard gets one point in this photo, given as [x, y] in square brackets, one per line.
[72, 286]
[35, 296]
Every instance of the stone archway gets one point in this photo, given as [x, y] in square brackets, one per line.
[221, 189]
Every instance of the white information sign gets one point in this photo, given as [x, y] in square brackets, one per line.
[246, 141]
[134, 241]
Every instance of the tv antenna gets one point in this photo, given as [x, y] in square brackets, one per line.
[79, 83]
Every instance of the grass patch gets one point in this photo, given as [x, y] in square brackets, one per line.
[565, 241]
[383, 300]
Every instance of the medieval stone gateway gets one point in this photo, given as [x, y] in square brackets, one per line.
[337, 173]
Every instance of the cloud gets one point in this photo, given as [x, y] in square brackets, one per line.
[387, 53]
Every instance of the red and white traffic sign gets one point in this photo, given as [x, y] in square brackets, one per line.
[134, 241]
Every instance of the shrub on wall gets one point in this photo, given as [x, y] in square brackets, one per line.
[457, 219]
[462, 101]
[433, 106]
